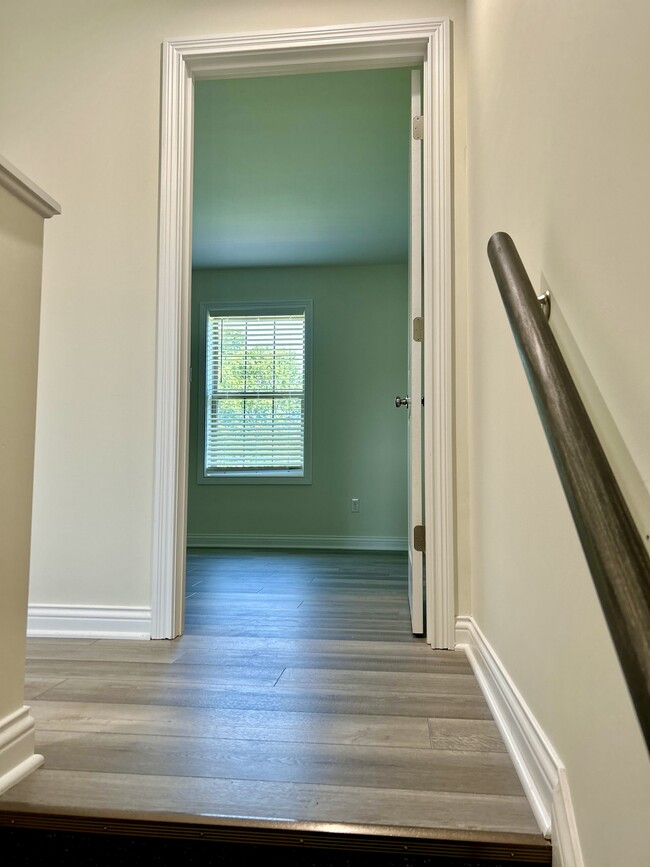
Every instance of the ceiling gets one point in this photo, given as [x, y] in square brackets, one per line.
[302, 169]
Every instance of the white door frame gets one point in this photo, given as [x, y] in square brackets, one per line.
[401, 43]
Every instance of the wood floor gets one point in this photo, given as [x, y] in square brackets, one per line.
[296, 704]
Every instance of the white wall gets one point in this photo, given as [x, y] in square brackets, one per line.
[79, 99]
[559, 137]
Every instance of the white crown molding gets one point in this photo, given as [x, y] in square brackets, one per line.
[26, 190]
[313, 49]
[538, 766]
[87, 621]
[341, 543]
[17, 756]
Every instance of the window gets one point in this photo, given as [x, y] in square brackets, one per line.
[255, 393]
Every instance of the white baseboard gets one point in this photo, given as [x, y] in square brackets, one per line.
[86, 621]
[341, 543]
[540, 770]
[566, 842]
[17, 756]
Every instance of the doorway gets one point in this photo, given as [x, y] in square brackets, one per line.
[299, 311]
[374, 46]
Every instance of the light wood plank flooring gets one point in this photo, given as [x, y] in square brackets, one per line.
[297, 701]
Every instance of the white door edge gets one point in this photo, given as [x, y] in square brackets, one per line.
[414, 470]
[265, 53]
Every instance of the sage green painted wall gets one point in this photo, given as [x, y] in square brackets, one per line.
[302, 169]
[359, 438]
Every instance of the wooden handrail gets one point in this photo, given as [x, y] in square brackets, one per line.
[615, 552]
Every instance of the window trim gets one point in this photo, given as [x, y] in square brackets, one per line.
[252, 308]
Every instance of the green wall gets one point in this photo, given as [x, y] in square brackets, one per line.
[359, 437]
[302, 169]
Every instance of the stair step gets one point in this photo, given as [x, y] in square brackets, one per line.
[96, 841]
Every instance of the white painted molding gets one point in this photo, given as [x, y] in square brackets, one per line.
[26, 190]
[86, 621]
[438, 362]
[17, 756]
[282, 52]
[532, 754]
[540, 770]
[342, 543]
[566, 842]
[172, 347]
[397, 43]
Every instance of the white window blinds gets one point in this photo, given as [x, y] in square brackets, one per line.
[255, 393]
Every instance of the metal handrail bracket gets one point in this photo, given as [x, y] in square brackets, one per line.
[612, 544]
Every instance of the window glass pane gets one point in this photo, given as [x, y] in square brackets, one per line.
[255, 400]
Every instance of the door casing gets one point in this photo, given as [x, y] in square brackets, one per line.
[377, 45]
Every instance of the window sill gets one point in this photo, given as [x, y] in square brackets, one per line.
[256, 478]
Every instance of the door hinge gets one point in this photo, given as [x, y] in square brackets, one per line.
[418, 538]
[418, 127]
[418, 329]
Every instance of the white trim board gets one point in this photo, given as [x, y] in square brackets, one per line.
[378, 45]
[26, 190]
[86, 621]
[566, 842]
[340, 543]
[540, 769]
[17, 756]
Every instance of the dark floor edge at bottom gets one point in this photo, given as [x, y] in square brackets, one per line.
[387, 842]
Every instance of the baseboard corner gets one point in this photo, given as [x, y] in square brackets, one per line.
[17, 748]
